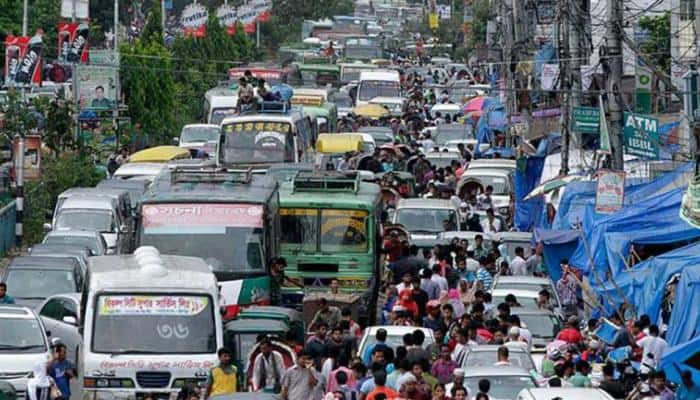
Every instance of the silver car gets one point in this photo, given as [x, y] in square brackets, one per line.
[60, 315]
[487, 355]
[506, 381]
[92, 240]
[568, 393]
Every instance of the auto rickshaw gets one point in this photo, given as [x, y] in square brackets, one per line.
[160, 154]
[330, 148]
[291, 317]
[469, 186]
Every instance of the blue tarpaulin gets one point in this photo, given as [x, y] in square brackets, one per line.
[685, 317]
[557, 245]
[657, 212]
[683, 357]
[528, 212]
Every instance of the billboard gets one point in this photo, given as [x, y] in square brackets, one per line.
[73, 42]
[23, 60]
[194, 20]
[96, 86]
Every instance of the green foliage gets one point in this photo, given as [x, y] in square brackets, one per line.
[292, 13]
[482, 14]
[57, 174]
[659, 44]
[153, 30]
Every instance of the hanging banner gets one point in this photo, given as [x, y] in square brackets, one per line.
[261, 8]
[246, 15]
[228, 16]
[73, 42]
[194, 20]
[444, 11]
[587, 72]
[605, 146]
[643, 75]
[610, 191]
[24, 60]
[549, 78]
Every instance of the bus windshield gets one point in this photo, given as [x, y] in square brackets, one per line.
[154, 323]
[208, 231]
[328, 230]
[371, 89]
[258, 142]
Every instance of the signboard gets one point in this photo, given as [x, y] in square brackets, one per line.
[610, 191]
[247, 15]
[79, 9]
[172, 305]
[228, 17]
[194, 20]
[641, 135]
[307, 100]
[549, 80]
[73, 42]
[104, 57]
[172, 218]
[261, 8]
[32, 156]
[605, 146]
[23, 60]
[643, 80]
[433, 20]
[444, 11]
[96, 86]
[270, 75]
[585, 120]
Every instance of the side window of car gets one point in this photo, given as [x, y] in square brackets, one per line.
[52, 309]
[70, 309]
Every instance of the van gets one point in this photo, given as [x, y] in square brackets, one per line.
[151, 325]
[121, 196]
[377, 83]
[219, 103]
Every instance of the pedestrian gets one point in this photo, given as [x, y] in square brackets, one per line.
[4, 297]
[460, 393]
[123, 156]
[428, 285]
[268, 368]
[657, 383]
[566, 287]
[518, 266]
[39, 386]
[316, 345]
[483, 275]
[381, 388]
[349, 393]
[380, 341]
[688, 390]
[571, 334]
[277, 279]
[580, 377]
[222, 379]
[503, 357]
[653, 349]
[439, 392]
[302, 381]
[443, 368]
[328, 314]
[62, 371]
[457, 381]
[613, 387]
[492, 224]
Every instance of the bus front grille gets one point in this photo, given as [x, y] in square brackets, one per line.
[308, 267]
[153, 380]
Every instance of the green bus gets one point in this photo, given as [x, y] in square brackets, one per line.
[331, 230]
[318, 75]
[316, 106]
[230, 218]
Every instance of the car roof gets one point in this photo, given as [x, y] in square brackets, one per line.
[470, 235]
[477, 172]
[568, 393]
[74, 296]
[16, 311]
[89, 202]
[508, 236]
[73, 232]
[394, 330]
[524, 279]
[495, 347]
[111, 192]
[443, 154]
[43, 262]
[425, 203]
[200, 126]
[256, 325]
[501, 370]
[132, 169]
[60, 250]
[515, 292]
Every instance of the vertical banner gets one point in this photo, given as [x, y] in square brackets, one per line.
[643, 75]
[79, 9]
[194, 20]
[610, 191]
[73, 42]
[29, 69]
[15, 48]
[262, 9]
[246, 16]
[605, 146]
[228, 16]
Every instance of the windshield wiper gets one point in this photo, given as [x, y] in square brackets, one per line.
[423, 231]
[4, 346]
[31, 298]
[136, 351]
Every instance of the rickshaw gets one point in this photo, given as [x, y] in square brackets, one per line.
[331, 147]
[469, 186]
[160, 154]
[403, 182]
[242, 337]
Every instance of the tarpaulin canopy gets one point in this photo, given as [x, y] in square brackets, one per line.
[557, 245]
[528, 212]
[644, 285]
[685, 317]
[683, 357]
[658, 212]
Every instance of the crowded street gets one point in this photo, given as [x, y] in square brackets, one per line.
[478, 200]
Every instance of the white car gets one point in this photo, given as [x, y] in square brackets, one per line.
[568, 393]
[60, 315]
[526, 299]
[394, 337]
[423, 218]
[196, 137]
[140, 171]
[23, 344]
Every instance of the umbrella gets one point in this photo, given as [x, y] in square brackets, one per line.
[371, 111]
[552, 185]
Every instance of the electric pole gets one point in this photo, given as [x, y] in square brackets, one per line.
[564, 83]
[613, 55]
[696, 125]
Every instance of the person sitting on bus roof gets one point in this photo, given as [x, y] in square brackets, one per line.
[266, 95]
[246, 95]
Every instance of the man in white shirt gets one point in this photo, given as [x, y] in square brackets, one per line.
[427, 143]
[439, 279]
[268, 368]
[492, 224]
[518, 266]
[653, 348]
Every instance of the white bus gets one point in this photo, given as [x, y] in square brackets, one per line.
[151, 324]
[378, 83]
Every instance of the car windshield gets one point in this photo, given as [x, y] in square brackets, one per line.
[207, 230]
[371, 89]
[489, 358]
[157, 323]
[542, 326]
[425, 219]
[40, 283]
[86, 220]
[218, 114]
[90, 243]
[258, 142]
[450, 132]
[199, 134]
[338, 230]
[21, 335]
[499, 183]
[502, 387]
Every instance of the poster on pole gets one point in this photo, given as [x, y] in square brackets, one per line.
[96, 87]
[610, 191]
[32, 156]
[228, 17]
[73, 42]
[194, 20]
[550, 76]
[23, 60]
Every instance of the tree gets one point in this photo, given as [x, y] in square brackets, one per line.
[658, 46]
[292, 13]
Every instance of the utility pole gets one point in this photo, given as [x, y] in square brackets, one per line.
[116, 25]
[613, 55]
[577, 50]
[696, 125]
[19, 198]
[564, 82]
[25, 16]
[162, 14]
[507, 55]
